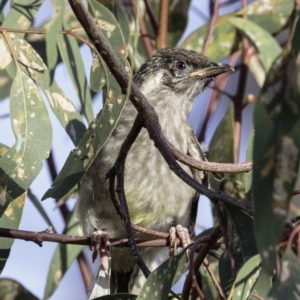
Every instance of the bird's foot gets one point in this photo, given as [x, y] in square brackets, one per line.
[183, 235]
[100, 244]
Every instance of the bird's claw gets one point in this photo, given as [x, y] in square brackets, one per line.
[183, 235]
[100, 244]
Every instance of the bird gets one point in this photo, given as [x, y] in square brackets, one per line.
[156, 197]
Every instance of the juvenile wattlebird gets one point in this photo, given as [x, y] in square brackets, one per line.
[156, 197]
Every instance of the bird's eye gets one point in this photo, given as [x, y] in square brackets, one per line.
[180, 65]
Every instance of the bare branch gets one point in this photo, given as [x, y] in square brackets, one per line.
[210, 166]
[162, 38]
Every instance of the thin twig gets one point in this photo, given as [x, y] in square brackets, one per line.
[210, 166]
[46, 236]
[162, 38]
[151, 16]
[133, 246]
[211, 27]
[121, 206]
[213, 278]
[199, 260]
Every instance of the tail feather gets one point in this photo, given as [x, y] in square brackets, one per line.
[101, 284]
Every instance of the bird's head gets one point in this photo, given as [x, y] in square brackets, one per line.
[184, 72]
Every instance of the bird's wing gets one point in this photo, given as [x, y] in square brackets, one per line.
[195, 151]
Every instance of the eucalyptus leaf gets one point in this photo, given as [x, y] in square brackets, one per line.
[109, 26]
[158, 285]
[69, 51]
[22, 12]
[10, 219]
[287, 285]
[276, 152]
[267, 46]
[94, 138]
[11, 289]
[64, 255]
[272, 15]
[32, 64]
[53, 32]
[33, 132]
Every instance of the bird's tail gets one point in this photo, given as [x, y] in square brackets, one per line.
[101, 284]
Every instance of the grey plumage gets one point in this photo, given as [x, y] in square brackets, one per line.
[156, 197]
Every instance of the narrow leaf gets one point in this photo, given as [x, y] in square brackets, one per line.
[32, 129]
[11, 289]
[109, 25]
[53, 33]
[32, 64]
[223, 40]
[69, 51]
[287, 285]
[98, 132]
[22, 12]
[276, 151]
[11, 218]
[266, 45]
[272, 15]
[158, 285]
[246, 279]
[63, 257]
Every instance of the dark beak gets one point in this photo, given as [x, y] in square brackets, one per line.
[212, 71]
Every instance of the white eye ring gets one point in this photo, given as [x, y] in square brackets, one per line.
[180, 65]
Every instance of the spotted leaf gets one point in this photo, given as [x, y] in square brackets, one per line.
[276, 150]
[32, 129]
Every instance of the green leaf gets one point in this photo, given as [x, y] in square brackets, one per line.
[109, 26]
[63, 256]
[242, 244]
[272, 15]
[10, 219]
[243, 225]
[31, 63]
[11, 289]
[287, 285]
[21, 14]
[121, 17]
[208, 287]
[266, 45]
[177, 20]
[262, 285]
[221, 144]
[89, 146]
[276, 152]
[53, 33]
[32, 129]
[223, 39]
[98, 73]
[158, 285]
[69, 51]
[246, 279]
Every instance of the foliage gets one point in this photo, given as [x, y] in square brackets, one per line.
[260, 39]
